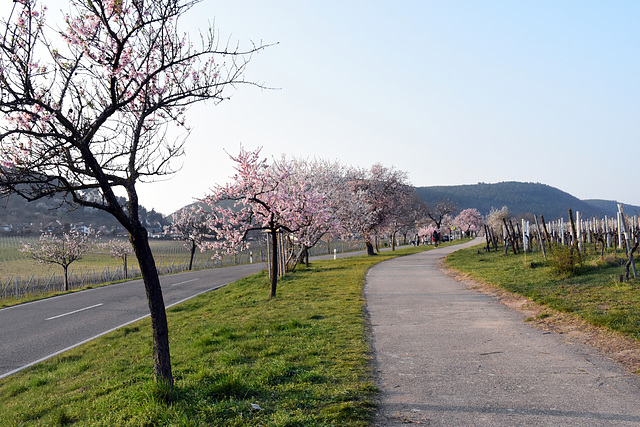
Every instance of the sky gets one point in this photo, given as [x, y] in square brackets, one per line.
[452, 92]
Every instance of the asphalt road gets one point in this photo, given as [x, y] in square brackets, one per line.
[447, 355]
[35, 331]
[39, 330]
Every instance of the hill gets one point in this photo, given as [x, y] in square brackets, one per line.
[521, 198]
[18, 216]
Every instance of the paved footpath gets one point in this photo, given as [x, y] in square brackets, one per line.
[446, 355]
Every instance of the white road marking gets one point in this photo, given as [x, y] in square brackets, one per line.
[100, 334]
[182, 283]
[74, 312]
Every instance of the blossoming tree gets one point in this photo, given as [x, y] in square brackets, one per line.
[119, 249]
[61, 250]
[370, 198]
[469, 220]
[88, 107]
[317, 181]
[190, 226]
[267, 197]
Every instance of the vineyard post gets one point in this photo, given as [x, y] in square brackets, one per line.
[620, 222]
[487, 237]
[544, 251]
[516, 236]
[577, 228]
[574, 236]
[505, 236]
[627, 239]
[546, 233]
[525, 235]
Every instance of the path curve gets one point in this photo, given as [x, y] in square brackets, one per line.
[446, 355]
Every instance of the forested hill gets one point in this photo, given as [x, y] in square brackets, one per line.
[520, 198]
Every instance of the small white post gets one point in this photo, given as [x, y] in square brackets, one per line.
[579, 230]
[525, 234]
[335, 254]
[620, 225]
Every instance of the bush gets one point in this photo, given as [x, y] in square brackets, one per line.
[563, 261]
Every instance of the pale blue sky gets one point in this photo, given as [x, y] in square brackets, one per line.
[453, 92]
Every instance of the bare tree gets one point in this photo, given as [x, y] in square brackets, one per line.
[441, 210]
[88, 107]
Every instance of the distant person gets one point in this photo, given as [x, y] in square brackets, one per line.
[436, 238]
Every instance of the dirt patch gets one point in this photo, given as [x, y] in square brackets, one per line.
[623, 350]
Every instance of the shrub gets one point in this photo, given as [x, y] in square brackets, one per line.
[563, 261]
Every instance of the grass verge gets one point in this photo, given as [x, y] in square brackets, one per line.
[592, 292]
[302, 358]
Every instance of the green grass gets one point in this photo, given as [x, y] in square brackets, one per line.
[15, 263]
[593, 292]
[303, 357]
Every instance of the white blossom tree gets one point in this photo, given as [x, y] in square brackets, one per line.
[60, 250]
[496, 217]
[119, 249]
[369, 198]
[190, 226]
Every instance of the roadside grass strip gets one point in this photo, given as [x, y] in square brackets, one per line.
[593, 292]
[238, 359]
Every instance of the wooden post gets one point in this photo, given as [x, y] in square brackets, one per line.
[487, 237]
[630, 247]
[516, 235]
[544, 251]
[574, 235]
[546, 233]
[510, 235]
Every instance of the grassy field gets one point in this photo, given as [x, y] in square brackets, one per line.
[592, 292]
[15, 263]
[303, 357]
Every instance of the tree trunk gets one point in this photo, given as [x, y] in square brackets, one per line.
[274, 263]
[161, 356]
[193, 252]
[66, 277]
[370, 250]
